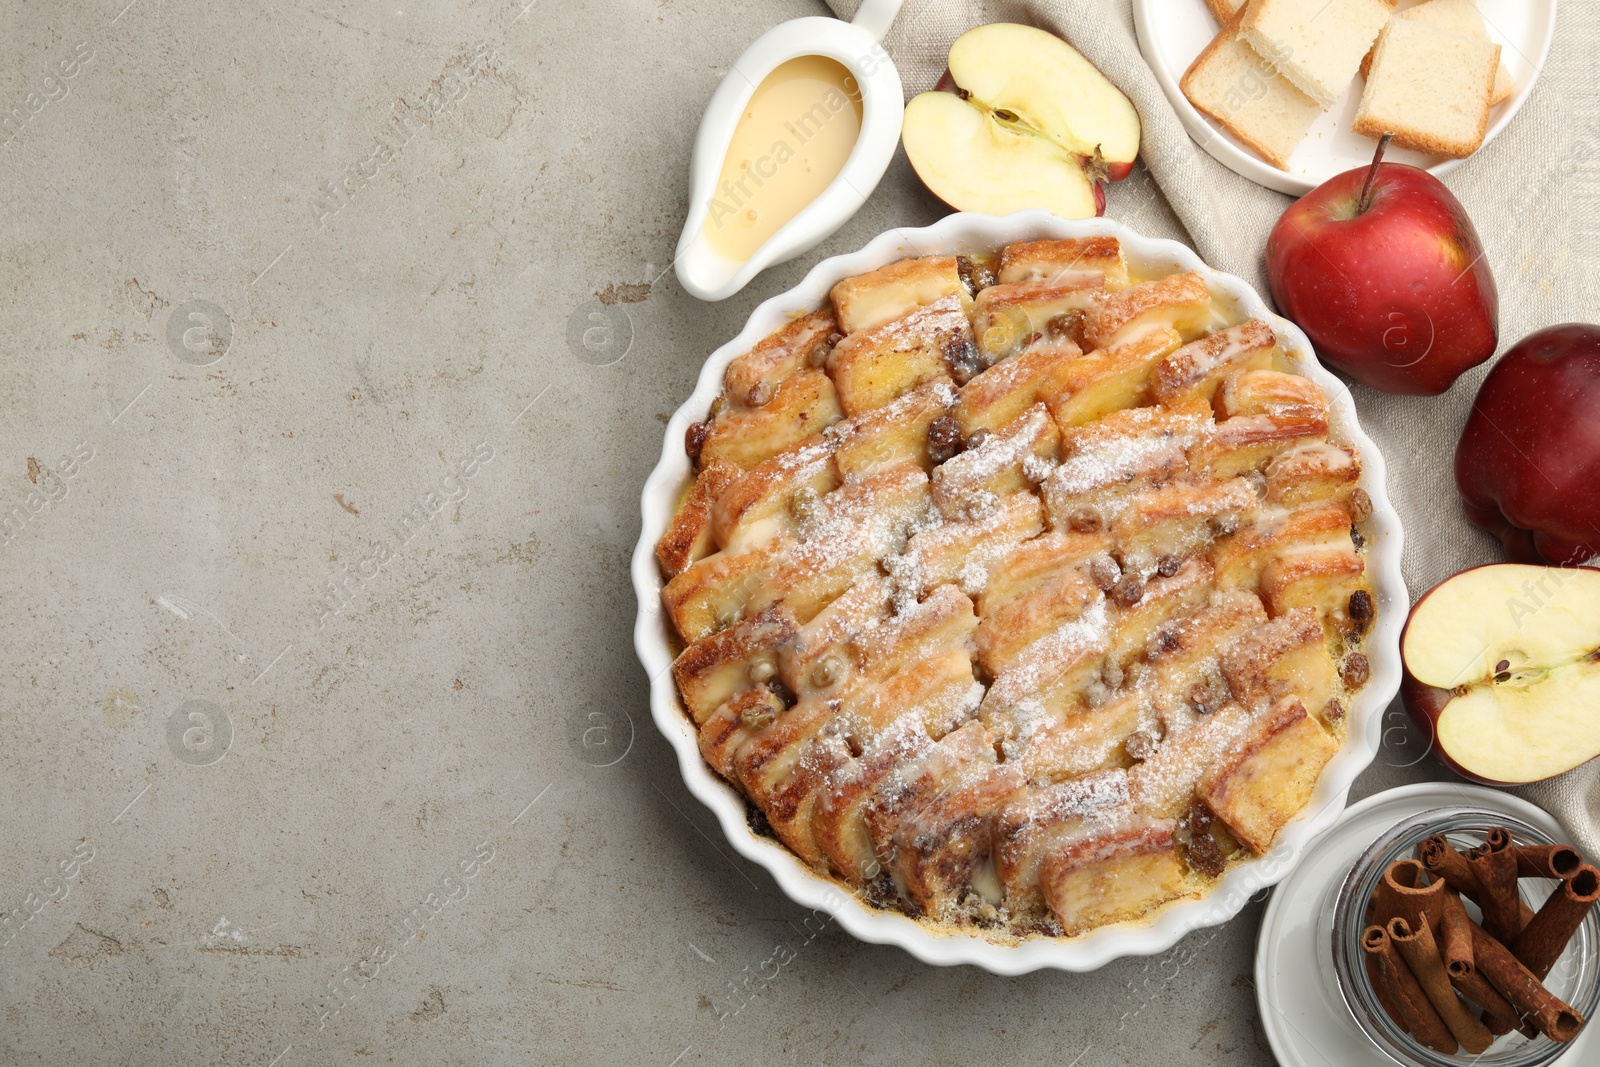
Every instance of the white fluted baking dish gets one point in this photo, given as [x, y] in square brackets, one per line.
[970, 233]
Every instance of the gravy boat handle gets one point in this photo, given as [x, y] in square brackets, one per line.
[876, 16]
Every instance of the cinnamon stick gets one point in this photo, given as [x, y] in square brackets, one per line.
[1494, 864]
[1414, 1012]
[1442, 860]
[1498, 1014]
[1455, 940]
[1418, 948]
[1499, 839]
[1542, 941]
[1527, 995]
[1547, 861]
[1382, 987]
[1404, 892]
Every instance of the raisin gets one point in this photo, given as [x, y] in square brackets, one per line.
[756, 819]
[1112, 673]
[1085, 520]
[1103, 571]
[1169, 566]
[1128, 592]
[805, 505]
[758, 716]
[827, 671]
[1061, 325]
[962, 356]
[1361, 609]
[944, 439]
[1139, 746]
[1204, 854]
[1206, 697]
[1359, 505]
[968, 273]
[694, 439]
[822, 348]
[1355, 671]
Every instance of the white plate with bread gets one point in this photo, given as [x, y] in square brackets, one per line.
[1277, 90]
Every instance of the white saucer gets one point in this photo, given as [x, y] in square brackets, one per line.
[1172, 32]
[1306, 1022]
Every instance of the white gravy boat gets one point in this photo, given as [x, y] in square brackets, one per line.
[701, 269]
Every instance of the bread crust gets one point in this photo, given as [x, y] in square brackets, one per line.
[1230, 30]
[1224, 10]
[1421, 140]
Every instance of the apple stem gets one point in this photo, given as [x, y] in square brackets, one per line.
[1372, 174]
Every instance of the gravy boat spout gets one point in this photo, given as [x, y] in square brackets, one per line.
[701, 268]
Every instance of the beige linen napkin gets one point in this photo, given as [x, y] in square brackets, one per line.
[1573, 798]
[1534, 194]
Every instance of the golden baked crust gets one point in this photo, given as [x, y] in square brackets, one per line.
[1038, 625]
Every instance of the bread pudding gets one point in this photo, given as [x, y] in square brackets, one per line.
[1020, 592]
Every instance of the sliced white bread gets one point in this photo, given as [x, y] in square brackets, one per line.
[1430, 88]
[1238, 89]
[1458, 16]
[1224, 10]
[1316, 44]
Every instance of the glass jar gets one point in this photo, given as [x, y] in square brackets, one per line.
[1575, 977]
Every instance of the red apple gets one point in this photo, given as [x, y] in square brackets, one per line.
[1382, 269]
[1528, 465]
[1020, 119]
[1502, 670]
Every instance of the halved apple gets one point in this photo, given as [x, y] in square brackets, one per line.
[1502, 670]
[1020, 120]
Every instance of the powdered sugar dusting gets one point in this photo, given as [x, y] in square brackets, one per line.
[1125, 481]
[1042, 661]
[1116, 459]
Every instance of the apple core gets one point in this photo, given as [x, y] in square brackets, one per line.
[793, 138]
[1503, 668]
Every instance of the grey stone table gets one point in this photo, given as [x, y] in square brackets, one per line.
[338, 340]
